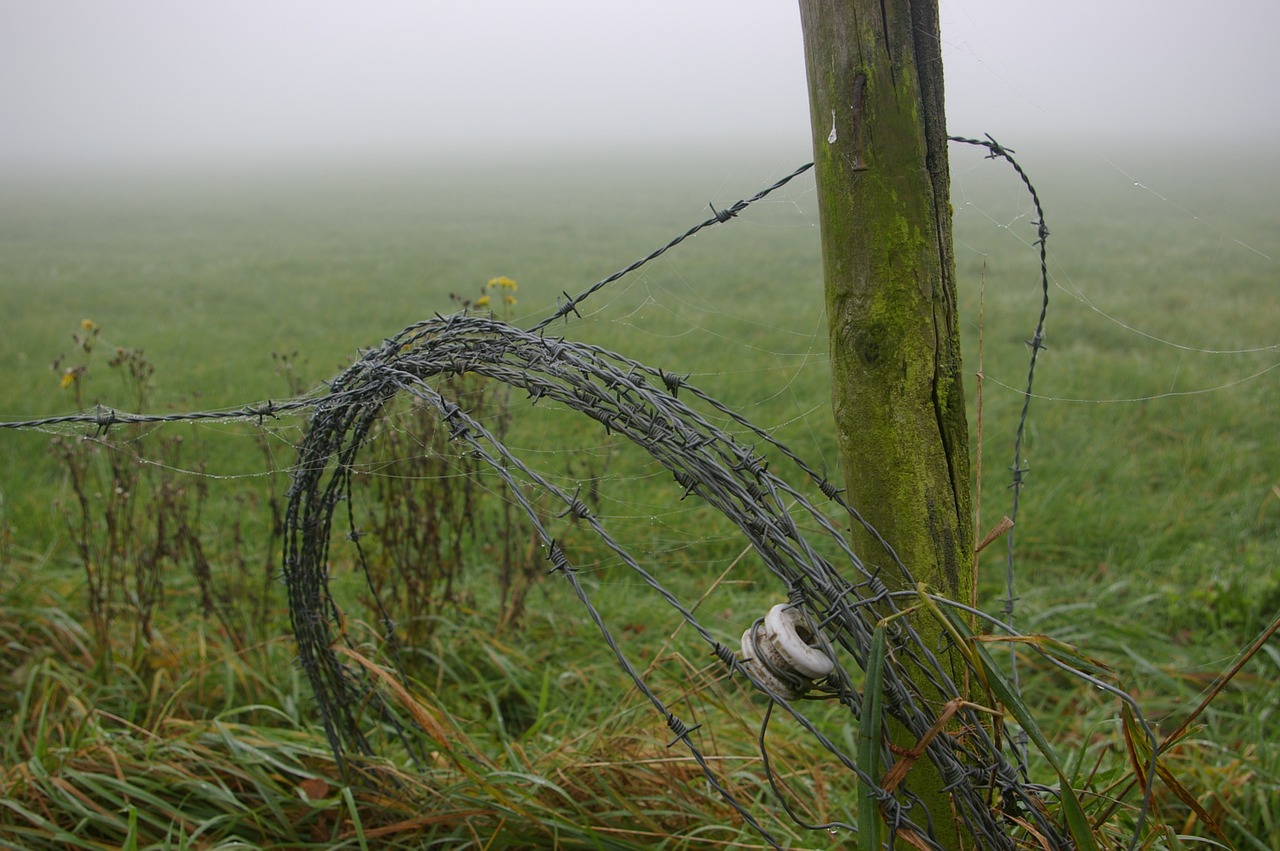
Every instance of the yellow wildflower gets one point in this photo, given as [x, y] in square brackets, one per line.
[68, 378]
[88, 324]
[509, 299]
[504, 282]
[483, 301]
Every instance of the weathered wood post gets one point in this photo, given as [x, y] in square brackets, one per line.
[880, 150]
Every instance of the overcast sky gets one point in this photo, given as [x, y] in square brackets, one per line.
[161, 80]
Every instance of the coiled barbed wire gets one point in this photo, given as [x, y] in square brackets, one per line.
[769, 493]
[741, 480]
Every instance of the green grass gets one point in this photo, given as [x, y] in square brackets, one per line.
[1148, 534]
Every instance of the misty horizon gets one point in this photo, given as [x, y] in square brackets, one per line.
[145, 83]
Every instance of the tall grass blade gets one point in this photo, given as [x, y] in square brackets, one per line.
[356, 822]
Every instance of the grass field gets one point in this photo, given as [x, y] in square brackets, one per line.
[1148, 534]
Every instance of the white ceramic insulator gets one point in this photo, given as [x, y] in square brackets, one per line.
[763, 674]
[785, 625]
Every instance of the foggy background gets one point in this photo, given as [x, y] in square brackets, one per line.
[96, 83]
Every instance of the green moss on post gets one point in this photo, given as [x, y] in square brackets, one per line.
[875, 93]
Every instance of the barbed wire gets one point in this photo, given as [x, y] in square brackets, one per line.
[1036, 344]
[644, 406]
[718, 217]
[755, 481]
[103, 418]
